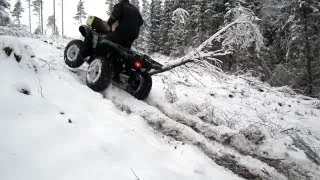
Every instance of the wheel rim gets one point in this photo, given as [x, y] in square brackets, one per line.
[94, 71]
[136, 84]
[73, 52]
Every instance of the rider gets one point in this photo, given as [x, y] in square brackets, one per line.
[129, 22]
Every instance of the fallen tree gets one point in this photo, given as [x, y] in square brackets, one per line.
[242, 31]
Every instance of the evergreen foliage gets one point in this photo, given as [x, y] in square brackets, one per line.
[290, 32]
[81, 14]
[4, 14]
[51, 24]
[37, 8]
[155, 24]
[17, 11]
[110, 4]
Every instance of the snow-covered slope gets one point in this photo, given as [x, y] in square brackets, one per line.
[15, 30]
[193, 125]
[63, 130]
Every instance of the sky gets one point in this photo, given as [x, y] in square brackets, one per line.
[96, 7]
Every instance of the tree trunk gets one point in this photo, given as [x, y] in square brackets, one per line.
[54, 18]
[29, 15]
[62, 28]
[41, 16]
[308, 57]
[39, 19]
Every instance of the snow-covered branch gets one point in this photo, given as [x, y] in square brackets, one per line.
[240, 34]
[14, 30]
[180, 15]
[196, 53]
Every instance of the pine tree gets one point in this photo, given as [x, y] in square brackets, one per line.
[245, 40]
[37, 30]
[146, 13]
[203, 19]
[178, 32]
[62, 17]
[155, 23]
[51, 24]
[272, 19]
[81, 14]
[38, 9]
[4, 15]
[213, 17]
[17, 11]
[206, 17]
[303, 55]
[192, 7]
[142, 43]
[110, 4]
[166, 25]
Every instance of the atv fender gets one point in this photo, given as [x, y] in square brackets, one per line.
[85, 30]
[106, 45]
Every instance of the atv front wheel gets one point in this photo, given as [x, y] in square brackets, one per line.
[73, 54]
[140, 85]
[99, 73]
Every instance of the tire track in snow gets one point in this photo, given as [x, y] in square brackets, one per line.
[245, 166]
[158, 116]
[226, 137]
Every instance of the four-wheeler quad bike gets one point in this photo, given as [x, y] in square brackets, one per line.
[110, 62]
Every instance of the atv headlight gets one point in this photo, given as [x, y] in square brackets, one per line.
[90, 20]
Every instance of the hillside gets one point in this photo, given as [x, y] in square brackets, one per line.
[194, 125]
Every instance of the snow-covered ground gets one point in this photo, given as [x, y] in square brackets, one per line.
[193, 125]
[63, 130]
[15, 30]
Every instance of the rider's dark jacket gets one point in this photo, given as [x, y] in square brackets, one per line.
[129, 19]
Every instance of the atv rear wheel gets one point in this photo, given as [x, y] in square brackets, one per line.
[140, 85]
[99, 73]
[74, 54]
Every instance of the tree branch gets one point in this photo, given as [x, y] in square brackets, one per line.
[169, 67]
[195, 53]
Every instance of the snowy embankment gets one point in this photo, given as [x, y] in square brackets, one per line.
[54, 127]
[15, 30]
[191, 123]
[256, 131]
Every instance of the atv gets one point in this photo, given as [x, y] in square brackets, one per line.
[110, 62]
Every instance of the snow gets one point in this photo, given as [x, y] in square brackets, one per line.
[63, 130]
[239, 105]
[4, 15]
[180, 15]
[15, 30]
[191, 122]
